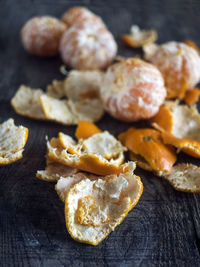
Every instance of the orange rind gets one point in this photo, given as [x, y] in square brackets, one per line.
[64, 183]
[93, 208]
[80, 85]
[54, 171]
[56, 89]
[86, 129]
[139, 38]
[85, 157]
[163, 120]
[26, 102]
[147, 143]
[12, 142]
[182, 129]
[185, 177]
[192, 96]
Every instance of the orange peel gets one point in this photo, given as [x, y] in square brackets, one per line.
[184, 133]
[12, 142]
[185, 177]
[86, 157]
[163, 120]
[54, 171]
[93, 208]
[192, 96]
[56, 89]
[148, 144]
[86, 129]
[26, 102]
[138, 38]
[82, 84]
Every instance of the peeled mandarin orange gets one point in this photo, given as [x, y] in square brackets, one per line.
[41, 35]
[132, 90]
[179, 65]
[79, 14]
[88, 46]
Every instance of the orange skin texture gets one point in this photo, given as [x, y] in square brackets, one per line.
[41, 35]
[86, 129]
[148, 144]
[188, 146]
[163, 119]
[132, 90]
[192, 96]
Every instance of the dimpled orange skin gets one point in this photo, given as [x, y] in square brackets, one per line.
[41, 35]
[132, 90]
[79, 14]
[179, 65]
[87, 46]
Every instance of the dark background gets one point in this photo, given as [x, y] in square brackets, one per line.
[163, 229]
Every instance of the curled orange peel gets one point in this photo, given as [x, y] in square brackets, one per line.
[148, 144]
[88, 162]
[163, 120]
[188, 146]
[86, 129]
[192, 96]
[179, 126]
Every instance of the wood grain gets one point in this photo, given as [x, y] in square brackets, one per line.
[163, 229]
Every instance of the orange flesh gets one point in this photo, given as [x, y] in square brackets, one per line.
[86, 129]
[148, 144]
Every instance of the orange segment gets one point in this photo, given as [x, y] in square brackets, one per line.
[192, 96]
[86, 129]
[148, 144]
[189, 146]
[163, 119]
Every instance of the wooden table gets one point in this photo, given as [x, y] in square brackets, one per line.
[163, 229]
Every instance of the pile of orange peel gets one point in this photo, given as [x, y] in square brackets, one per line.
[98, 189]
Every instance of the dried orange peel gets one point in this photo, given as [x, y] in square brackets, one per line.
[65, 183]
[83, 84]
[147, 143]
[184, 133]
[12, 142]
[185, 177]
[86, 129]
[54, 171]
[86, 157]
[26, 102]
[138, 38]
[66, 102]
[192, 96]
[93, 208]
[163, 120]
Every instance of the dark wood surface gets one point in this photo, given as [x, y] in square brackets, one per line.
[163, 229]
